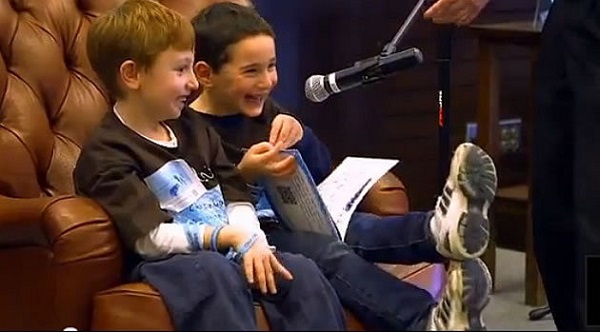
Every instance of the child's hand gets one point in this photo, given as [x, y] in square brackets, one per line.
[265, 159]
[286, 130]
[260, 266]
[281, 165]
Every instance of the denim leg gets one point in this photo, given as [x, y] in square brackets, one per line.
[306, 303]
[405, 239]
[379, 300]
[202, 291]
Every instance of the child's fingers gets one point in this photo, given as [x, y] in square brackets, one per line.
[276, 128]
[284, 133]
[280, 128]
[271, 284]
[278, 146]
[270, 155]
[280, 269]
[295, 135]
[249, 270]
[285, 129]
[283, 167]
[259, 273]
[260, 148]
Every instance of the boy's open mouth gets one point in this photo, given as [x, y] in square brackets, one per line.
[255, 99]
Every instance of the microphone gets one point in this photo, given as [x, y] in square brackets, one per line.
[319, 87]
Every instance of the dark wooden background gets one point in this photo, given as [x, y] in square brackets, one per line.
[395, 118]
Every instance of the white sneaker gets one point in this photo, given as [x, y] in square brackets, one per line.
[466, 294]
[460, 222]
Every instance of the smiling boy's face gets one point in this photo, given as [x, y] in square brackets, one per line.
[165, 86]
[244, 82]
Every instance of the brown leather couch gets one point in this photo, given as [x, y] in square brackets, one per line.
[60, 258]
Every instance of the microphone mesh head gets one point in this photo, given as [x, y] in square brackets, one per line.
[314, 88]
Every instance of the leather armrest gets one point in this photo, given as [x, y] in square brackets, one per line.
[76, 228]
[387, 197]
[68, 251]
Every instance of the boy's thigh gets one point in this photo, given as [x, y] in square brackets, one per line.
[306, 278]
[207, 267]
[297, 263]
[306, 274]
[308, 244]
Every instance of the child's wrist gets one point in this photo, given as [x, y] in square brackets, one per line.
[232, 236]
[214, 238]
[250, 242]
[243, 247]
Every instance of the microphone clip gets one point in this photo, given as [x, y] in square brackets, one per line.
[383, 65]
[370, 68]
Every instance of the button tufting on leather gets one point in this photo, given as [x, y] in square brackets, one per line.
[16, 5]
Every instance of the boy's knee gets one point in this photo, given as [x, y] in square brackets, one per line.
[309, 283]
[302, 268]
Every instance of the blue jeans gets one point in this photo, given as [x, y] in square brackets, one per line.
[402, 239]
[204, 291]
[379, 300]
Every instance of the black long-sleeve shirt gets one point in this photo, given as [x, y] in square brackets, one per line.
[116, 161]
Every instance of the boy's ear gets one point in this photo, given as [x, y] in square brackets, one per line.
[130, 75]
[203, 73]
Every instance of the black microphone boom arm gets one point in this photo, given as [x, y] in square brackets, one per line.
[393, 45]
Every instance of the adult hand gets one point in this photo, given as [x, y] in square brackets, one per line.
[459, 12]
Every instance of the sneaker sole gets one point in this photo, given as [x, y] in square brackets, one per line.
[477, 182]
[469, 285]
[482, 289]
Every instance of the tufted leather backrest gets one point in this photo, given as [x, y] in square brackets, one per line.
[50, 99]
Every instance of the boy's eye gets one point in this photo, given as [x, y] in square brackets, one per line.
[183, 70]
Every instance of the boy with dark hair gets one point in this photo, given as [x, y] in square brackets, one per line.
[237, 70]
[176, 201]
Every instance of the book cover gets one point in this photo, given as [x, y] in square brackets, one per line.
[303, 206]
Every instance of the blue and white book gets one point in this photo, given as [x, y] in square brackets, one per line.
[301, 205]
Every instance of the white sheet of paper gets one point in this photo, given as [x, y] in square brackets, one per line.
[347, 185]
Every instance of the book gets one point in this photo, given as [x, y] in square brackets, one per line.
[301, 205]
